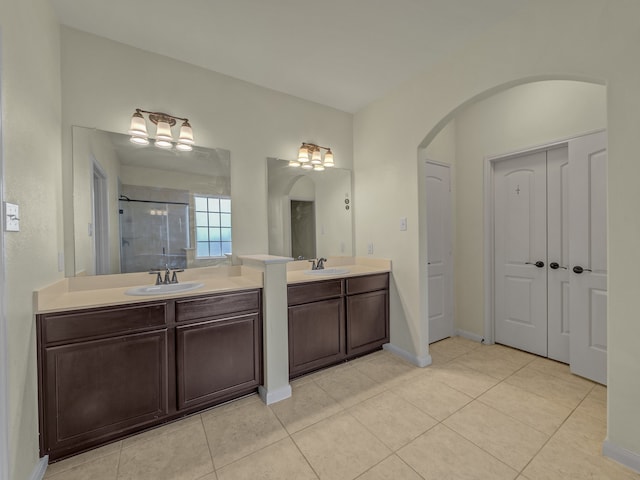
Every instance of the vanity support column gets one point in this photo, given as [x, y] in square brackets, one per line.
[275, 332]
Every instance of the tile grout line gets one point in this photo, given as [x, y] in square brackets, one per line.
[206, 437]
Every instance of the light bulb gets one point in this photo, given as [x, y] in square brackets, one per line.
[316, 158]
[328, 159]
[163, 144]
[186, 134]
[138, 126]
[318, 168]
[294, 163]
[184, 147]
[303, 154]
[139, 140]
[163, 132]
[307, 166]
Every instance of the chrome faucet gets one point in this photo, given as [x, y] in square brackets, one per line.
[170, 276]
[320, 265]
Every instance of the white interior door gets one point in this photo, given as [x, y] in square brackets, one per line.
[439, 249]
[588, 256]
[520, 242]
[558, 253]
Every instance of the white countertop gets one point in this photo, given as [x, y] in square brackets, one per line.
[80, 292]
[356, 266]
[104, 290]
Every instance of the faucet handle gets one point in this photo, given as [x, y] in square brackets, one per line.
[174, 277]
[158, 274]
[313, 264]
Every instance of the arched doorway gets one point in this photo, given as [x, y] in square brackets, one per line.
[505, 119]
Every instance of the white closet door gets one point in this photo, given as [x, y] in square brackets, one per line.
[588, 256]
[440, 265]
[520, 215]
[558, 253]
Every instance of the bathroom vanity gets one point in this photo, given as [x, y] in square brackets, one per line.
[336, 319]
[111, 364]
[109, 371]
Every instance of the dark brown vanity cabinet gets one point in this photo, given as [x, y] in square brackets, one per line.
[334, 320]
[102, 372]
[108, 372]
[316, 325]
[367, 313]
[218, 349]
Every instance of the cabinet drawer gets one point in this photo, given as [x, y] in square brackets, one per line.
[311, 292]
[368, 283]
[218, 305]
[71, 326]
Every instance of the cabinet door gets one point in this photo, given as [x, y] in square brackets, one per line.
[316, 335]
[97, 390]
[367, 321]
[218, 359]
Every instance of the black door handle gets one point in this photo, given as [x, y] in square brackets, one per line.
[556, 265]
[538, 264]
[578, 269]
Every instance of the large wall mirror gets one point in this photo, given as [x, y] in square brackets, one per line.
[138, 208]
[310, 213]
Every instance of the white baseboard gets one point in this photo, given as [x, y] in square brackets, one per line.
[273, 396]
[40, 469]
[470, 336]
[621, 455]
[409, 357]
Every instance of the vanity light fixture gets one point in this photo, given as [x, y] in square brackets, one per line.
[310, 157]
[164, 137]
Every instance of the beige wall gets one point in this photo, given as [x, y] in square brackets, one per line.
[522, 117]
[32, 178]
[586, 39]
[103, 82]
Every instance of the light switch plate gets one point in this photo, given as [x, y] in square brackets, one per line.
[403, 224]
[11, 217]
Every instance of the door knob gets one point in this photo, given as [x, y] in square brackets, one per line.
[556, 265]
[578, 269]
[538, 264]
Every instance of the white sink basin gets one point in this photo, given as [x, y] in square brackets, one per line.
[164, 289]
[327, 271]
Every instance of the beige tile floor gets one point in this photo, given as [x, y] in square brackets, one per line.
[479, 412]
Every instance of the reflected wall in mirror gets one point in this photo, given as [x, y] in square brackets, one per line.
[309, 212]
[138, 208]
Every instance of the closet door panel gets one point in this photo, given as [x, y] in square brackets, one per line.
[558, 253]
[588, 236]
[520, 211]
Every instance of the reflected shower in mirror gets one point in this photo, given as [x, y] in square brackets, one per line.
[309, 212]
[138, 208]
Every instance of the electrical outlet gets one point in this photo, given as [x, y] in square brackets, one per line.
[370, 248]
